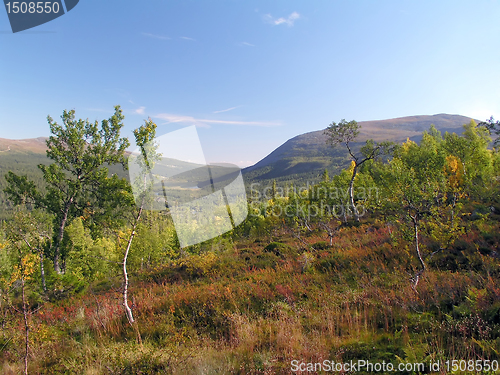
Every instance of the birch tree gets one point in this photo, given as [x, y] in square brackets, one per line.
[21, 246]
[346, 133]
[142, 188]
[80, 151]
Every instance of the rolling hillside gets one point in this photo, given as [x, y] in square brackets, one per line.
[305, 157]
[300, 159]
[22, 157]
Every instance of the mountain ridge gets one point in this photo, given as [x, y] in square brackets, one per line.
[303, 157]
[35, 145]
[307, 155]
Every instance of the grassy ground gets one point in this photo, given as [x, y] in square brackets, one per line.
[256, 305]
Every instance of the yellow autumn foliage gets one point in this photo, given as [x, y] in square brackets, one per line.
[454, 170]
[25, 268]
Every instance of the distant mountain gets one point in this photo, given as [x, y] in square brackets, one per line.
[304, 157]
[300, 159]
[22, 157]
[31, 145]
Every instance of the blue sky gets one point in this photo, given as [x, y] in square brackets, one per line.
[251, 74]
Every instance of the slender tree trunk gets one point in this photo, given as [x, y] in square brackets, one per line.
[128, 310]
[344, 209]
[455, 198]
[417, 248]
[351, 192]
[57, 249]
[329, 231]
[26, 327]
[42, 271]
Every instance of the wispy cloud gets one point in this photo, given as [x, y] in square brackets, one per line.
[227, 110]
[155, 36]
[201, 122]
[187, 38]
[290, 20]
[140, 110]
[248, 44]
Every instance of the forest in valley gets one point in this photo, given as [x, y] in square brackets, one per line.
[396, 259]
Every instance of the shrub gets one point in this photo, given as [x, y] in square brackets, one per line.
[320, 245]
[279, 249]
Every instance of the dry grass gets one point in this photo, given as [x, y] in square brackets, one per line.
[355, 301]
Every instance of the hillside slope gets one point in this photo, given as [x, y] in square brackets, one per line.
[22, 157]
[31, 145]
[300, 159]
[305, 157]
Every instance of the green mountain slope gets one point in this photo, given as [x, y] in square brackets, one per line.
[304, 157]
[22, 157]
[300, 159]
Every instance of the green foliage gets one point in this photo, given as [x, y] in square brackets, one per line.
[472, 150]
[343, 132]
[198, 265]
[325, 176]
[346, 133]
[27, 237]
[87, 259]
[77, 182]
[493, 127]
[279, 249]
[23, 164]
[385, 348]
[156, 243]
[320, 245]
[246, 300]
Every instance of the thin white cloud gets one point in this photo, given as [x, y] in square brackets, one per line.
[226, 110]
[187, 38]
[290, 20]
[200, 122]
[248, 44]
[155, 36]
[172, 118]
[140, 110]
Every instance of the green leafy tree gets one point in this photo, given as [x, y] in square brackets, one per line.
[273, 190]
[155, 243]
[325, 177]
[34, 230]
[87, 259]
[471, 149]
[77, 180]
[346, 133]
[493, 128]
[22, 248]
[414, 186]
[142, 188]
